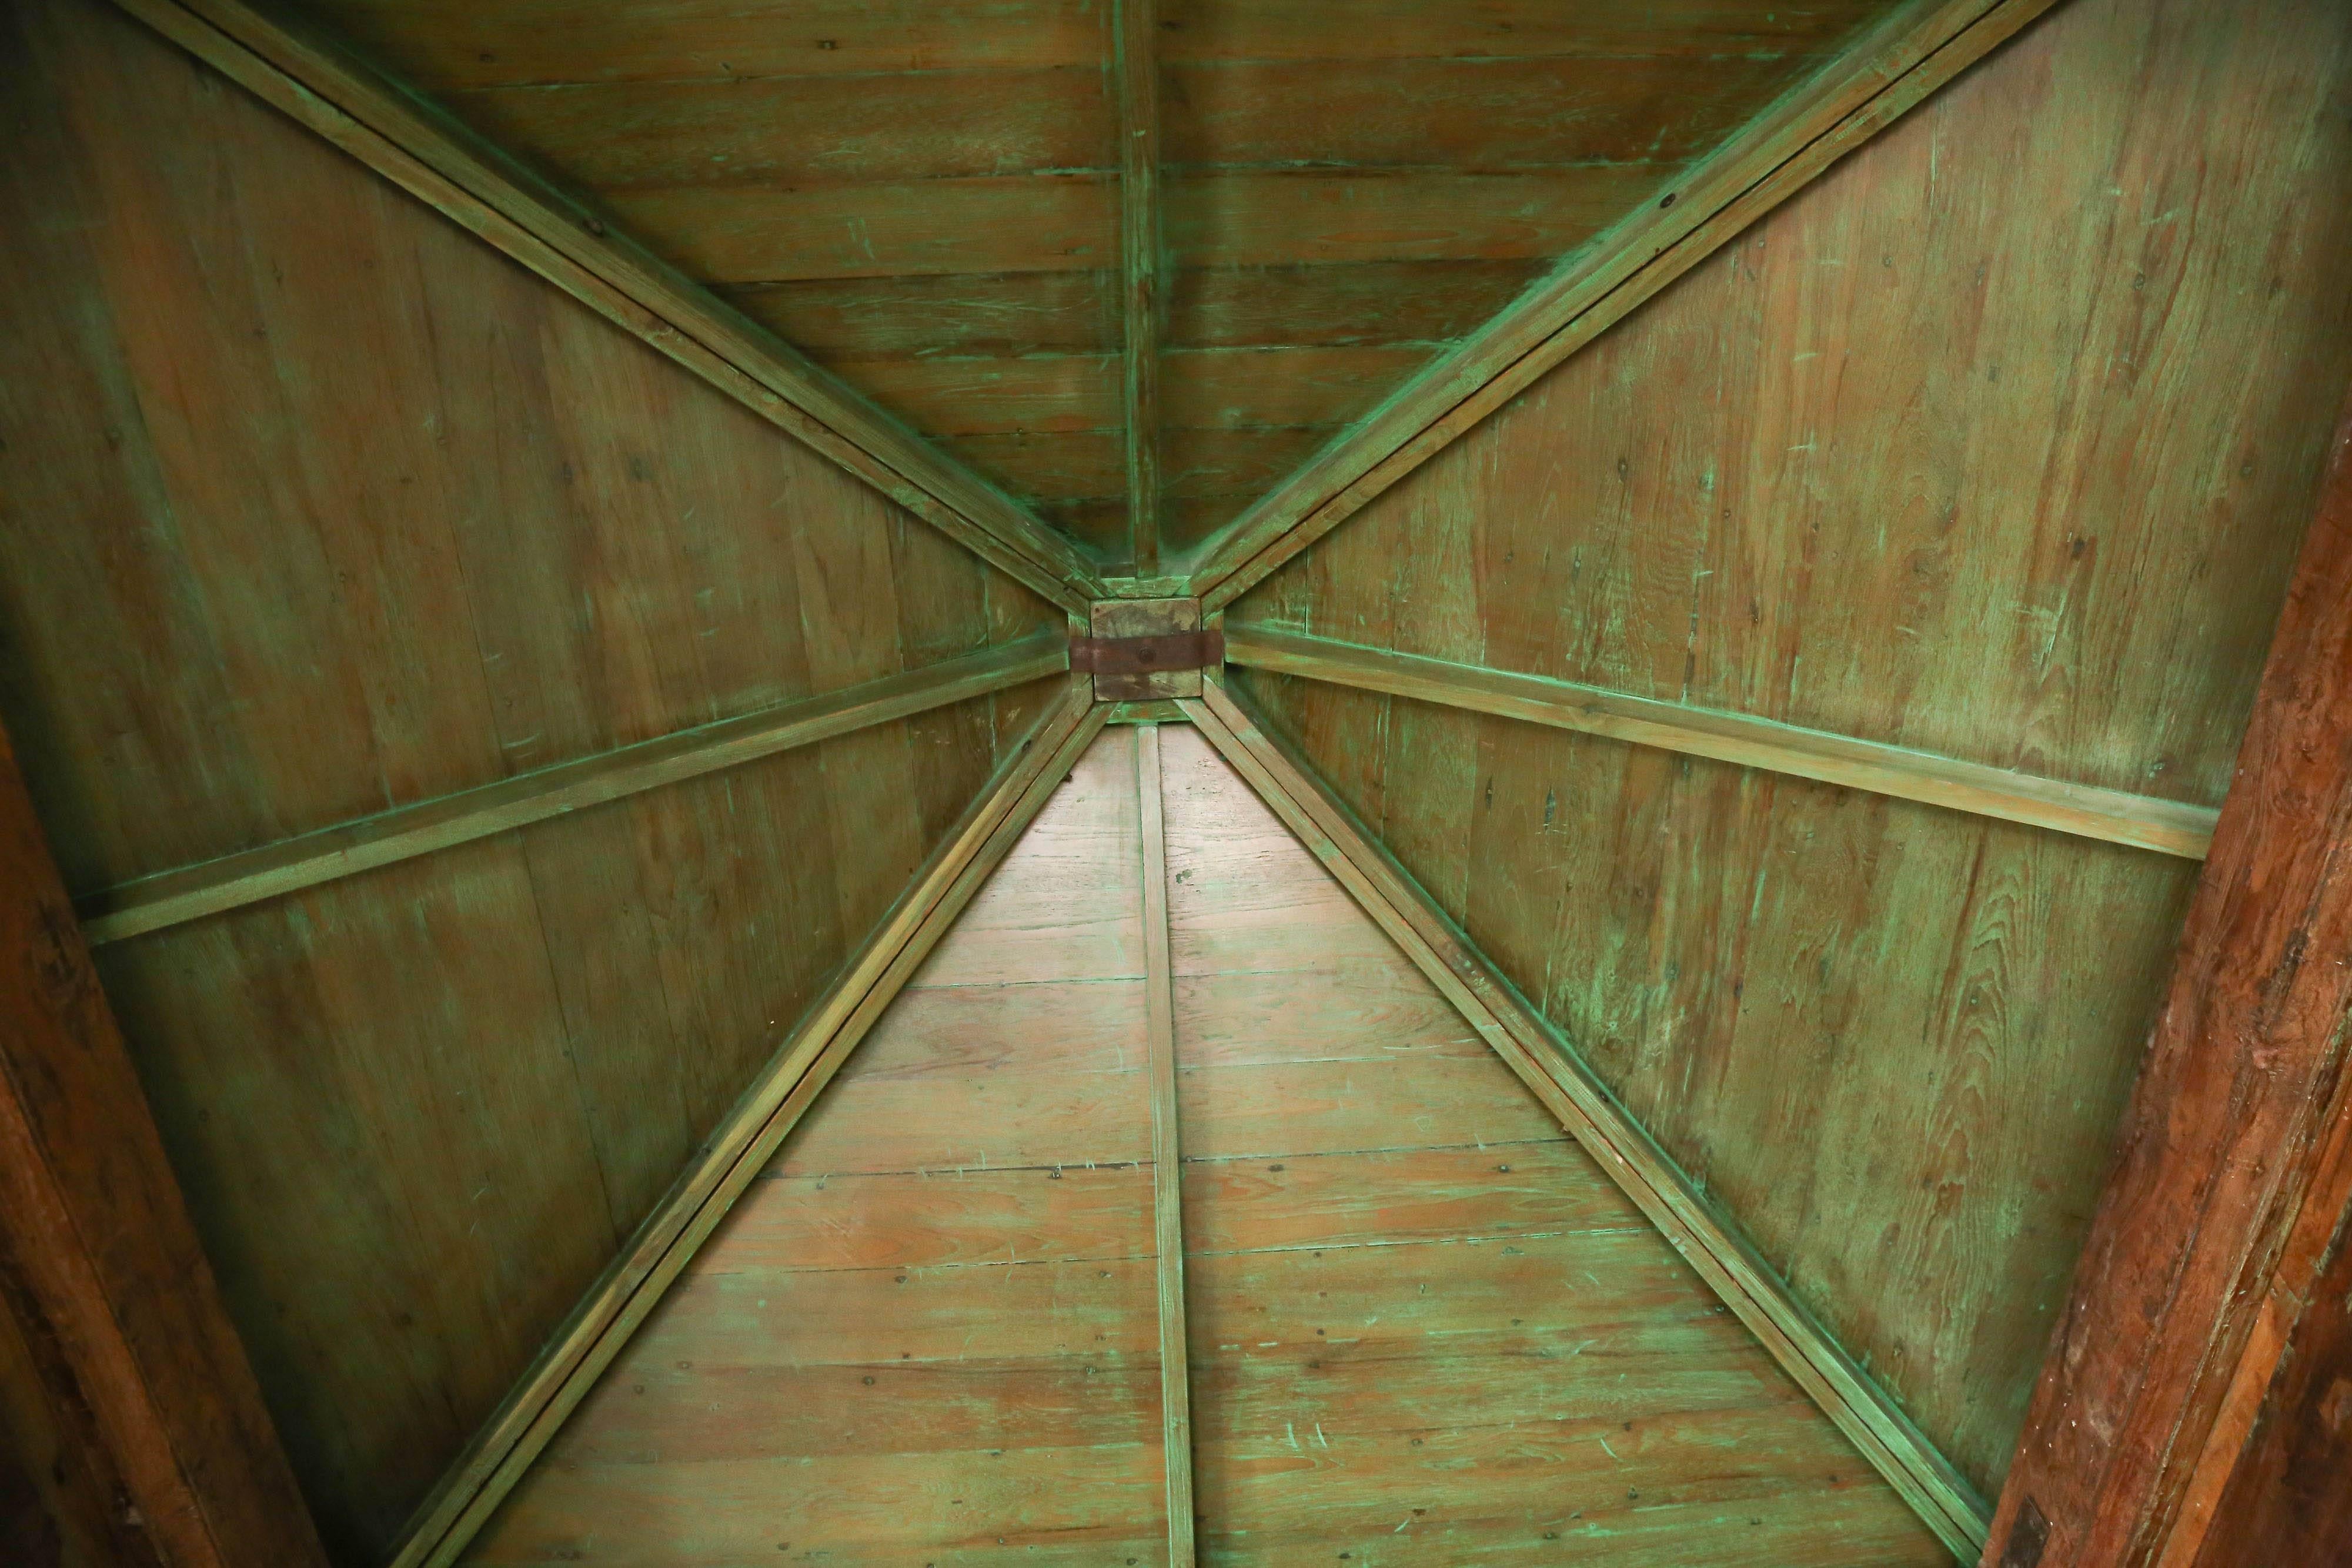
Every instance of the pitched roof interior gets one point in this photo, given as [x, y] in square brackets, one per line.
[522, 797]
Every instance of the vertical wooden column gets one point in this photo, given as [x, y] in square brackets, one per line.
[1137, 77]
[100, 1265]
[2228, 1197]
[1167, 1153]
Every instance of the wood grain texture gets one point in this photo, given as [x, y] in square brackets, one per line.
[928, 1326]
[2105, 814]
[119, 1336]
[985, 159]
[1426, 1327]
[1167, 1143]
[1136, 74]
[2232, 1173]
[311, 75]
[1902, 54]
[314, 507]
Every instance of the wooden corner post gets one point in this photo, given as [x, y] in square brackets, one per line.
[99, 1264]
[2229, 1189]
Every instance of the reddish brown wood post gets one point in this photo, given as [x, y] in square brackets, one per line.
[99, 1263]
[2222, 1190]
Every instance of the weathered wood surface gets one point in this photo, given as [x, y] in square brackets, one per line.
[2233, 1181]
[1411, 161]
[1930, 459]
[312, 76]
[971, 151]
[1134, 75]
[1910, 50]
[2109, 815]
[172, 898]
[1569, 1089]
[928, 1326]
[1426, 1327]
[311, 508]
[122, 1361]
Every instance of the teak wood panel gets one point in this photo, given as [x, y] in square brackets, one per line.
[865, 169]
[1997, 443]
[1411, 167]
[1425, 1327]
[313, 506]
[930, 1327]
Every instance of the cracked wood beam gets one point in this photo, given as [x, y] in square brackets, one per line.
[1917, 50]
[100, 1265]
[1575, 1094]
[2169, 827]
[732, 1158]
[1136, 74]
[2218, 1212]
[307, 75]
[271, 871]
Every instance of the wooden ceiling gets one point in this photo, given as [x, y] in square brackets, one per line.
[927, 199]
[513, 714]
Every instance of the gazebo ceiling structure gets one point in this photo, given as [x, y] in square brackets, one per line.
[1819, 882]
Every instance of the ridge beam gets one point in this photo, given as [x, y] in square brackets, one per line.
[1136, 70]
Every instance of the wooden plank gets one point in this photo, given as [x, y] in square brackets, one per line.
[2222, 1141]
[735, 1153]
[99, 1260]
[1893, 67]
[171, 898]
[432, 158]
[1167, 1156]
[1136, 70]
[1569, 1089]
[1339, 31]
[2171, 826]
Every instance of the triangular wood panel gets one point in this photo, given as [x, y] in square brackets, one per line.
[1892, 1039]
[380, 517]
[1423, 1326]
[927, 199]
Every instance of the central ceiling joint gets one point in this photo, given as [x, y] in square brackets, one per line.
[1140, 650]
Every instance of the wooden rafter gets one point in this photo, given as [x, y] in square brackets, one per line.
[1136, 75]
[617, 1305]
[2218, 1208]
[1559, 1077]
[1167, 1154]
[311, 78]
[1893, 68]
[2143, 821]
[99, 1261]
[271, 871]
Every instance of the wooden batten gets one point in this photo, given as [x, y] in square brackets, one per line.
[303, 72]
[2228, 1194]
[1551, 1068]
[2171, 826]
[1137, 83]
[272, 870]
[807, 1061]
[1167, 1156]
[1919, 48]
[99, 1263]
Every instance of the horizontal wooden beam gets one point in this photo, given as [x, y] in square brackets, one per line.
[99, 1261]
[2142, 821]
[1919, 48]
[613, 1309]
[1575, 1094]
[271, 871]
[2221, 1188]
[301, 69]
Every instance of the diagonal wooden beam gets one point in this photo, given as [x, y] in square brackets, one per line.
[1137, 75]
[99, 1261]
[308, 74]
[618, 1304]
[271, 871]
[2171, 827]
[1916, 50]
[1574, 1093]
[2222, 1162]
